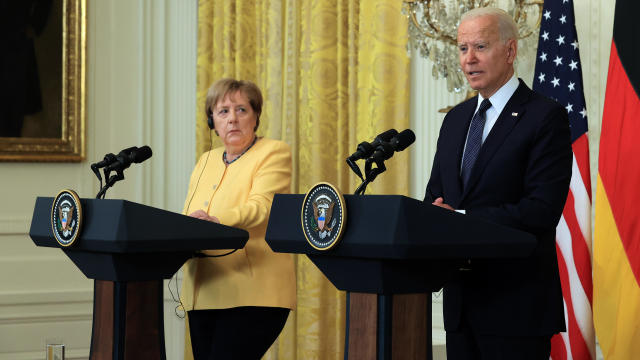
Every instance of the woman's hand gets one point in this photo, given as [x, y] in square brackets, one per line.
[200, 214]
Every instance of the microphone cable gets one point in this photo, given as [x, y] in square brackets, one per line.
[179, 309]
[177, 299]
[201, 171]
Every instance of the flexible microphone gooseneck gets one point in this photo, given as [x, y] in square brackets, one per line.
[365, 149]
[382, 152]
[118, 163]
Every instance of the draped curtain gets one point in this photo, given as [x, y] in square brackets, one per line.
[333, 73]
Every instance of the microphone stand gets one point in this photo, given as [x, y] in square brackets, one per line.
[109, 183]
[371, 173]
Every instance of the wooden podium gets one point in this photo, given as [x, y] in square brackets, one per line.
[128, 248]
[395, 251]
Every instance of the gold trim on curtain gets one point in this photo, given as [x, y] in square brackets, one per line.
[333, 73]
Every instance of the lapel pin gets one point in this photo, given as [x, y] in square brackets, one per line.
[514, 114]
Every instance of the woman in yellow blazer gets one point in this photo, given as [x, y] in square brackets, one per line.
[238, 304]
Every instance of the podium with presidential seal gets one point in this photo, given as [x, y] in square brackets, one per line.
[128, 249]
[389, 255]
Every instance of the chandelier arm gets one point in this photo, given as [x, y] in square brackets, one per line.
[445, 37]
[539, 3]
[517, 11]
[414, 20]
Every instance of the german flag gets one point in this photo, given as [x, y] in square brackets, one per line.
[616, 258]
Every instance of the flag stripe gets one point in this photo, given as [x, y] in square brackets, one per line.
[579, 252]
[581, 153]
[582, 205]
[576, 341]
[578, 306]
[559, 346]
[616, 294]
[619, 149]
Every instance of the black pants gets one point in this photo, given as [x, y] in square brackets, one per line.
[241, 333]
[465, 344]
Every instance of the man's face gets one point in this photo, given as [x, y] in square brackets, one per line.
[485, 59]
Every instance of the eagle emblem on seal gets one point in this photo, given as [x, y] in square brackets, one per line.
[323, 214]
[65, 214]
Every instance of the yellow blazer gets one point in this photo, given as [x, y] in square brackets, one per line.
[240, 195]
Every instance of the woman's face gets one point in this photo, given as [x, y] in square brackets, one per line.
[235, 121]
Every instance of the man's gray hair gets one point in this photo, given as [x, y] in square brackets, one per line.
[506, 26]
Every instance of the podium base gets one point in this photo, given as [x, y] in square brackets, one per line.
[388, 327]
[128, 320]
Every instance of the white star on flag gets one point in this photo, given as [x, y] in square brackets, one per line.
[583, 112]
[574, 44]
[558, 60]
[543, 57]
[563, 19]
[555, 81]
[573, 65]
[541, 77]
[547, 15]
[571, 86]
[569, 108]
[560, 39]
[545, 35]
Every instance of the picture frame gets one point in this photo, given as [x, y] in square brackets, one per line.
[53, 130]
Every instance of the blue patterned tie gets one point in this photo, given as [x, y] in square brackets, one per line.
[474, 141]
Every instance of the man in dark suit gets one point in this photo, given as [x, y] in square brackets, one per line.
[503, 156]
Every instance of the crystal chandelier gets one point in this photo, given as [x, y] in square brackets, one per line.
[433, 29]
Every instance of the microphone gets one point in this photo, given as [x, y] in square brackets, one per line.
[108, 160]
[128, 156]
[365, 149]
[398, 143]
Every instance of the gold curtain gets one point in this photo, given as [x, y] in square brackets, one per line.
[333, 73]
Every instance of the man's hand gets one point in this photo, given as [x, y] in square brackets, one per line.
[438, 202]
[200, 214]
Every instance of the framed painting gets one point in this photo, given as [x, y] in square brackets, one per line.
[43, 72]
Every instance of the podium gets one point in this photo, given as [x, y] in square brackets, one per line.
[394, 252]
[128, 248]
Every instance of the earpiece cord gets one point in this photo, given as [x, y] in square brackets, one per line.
[201, 171]
[177, 300]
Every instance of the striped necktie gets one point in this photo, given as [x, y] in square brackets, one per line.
[474, 141]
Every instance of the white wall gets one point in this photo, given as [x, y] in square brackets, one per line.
[594, 23]
[140, 91]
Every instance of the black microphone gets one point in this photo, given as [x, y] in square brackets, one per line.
[129, 156]
[398, 143]
[365, 149]
[108, 160]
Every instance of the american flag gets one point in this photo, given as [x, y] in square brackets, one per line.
[558, 75]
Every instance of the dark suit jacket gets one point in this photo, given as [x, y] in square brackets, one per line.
[520, 179]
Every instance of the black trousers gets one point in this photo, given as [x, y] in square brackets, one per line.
[466, 344]
[241, 333]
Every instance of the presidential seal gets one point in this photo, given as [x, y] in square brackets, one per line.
[66, 217]
[324, 216]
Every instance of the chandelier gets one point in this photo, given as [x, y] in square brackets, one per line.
[433, 28]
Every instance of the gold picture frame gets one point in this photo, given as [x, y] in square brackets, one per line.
[68, 142]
